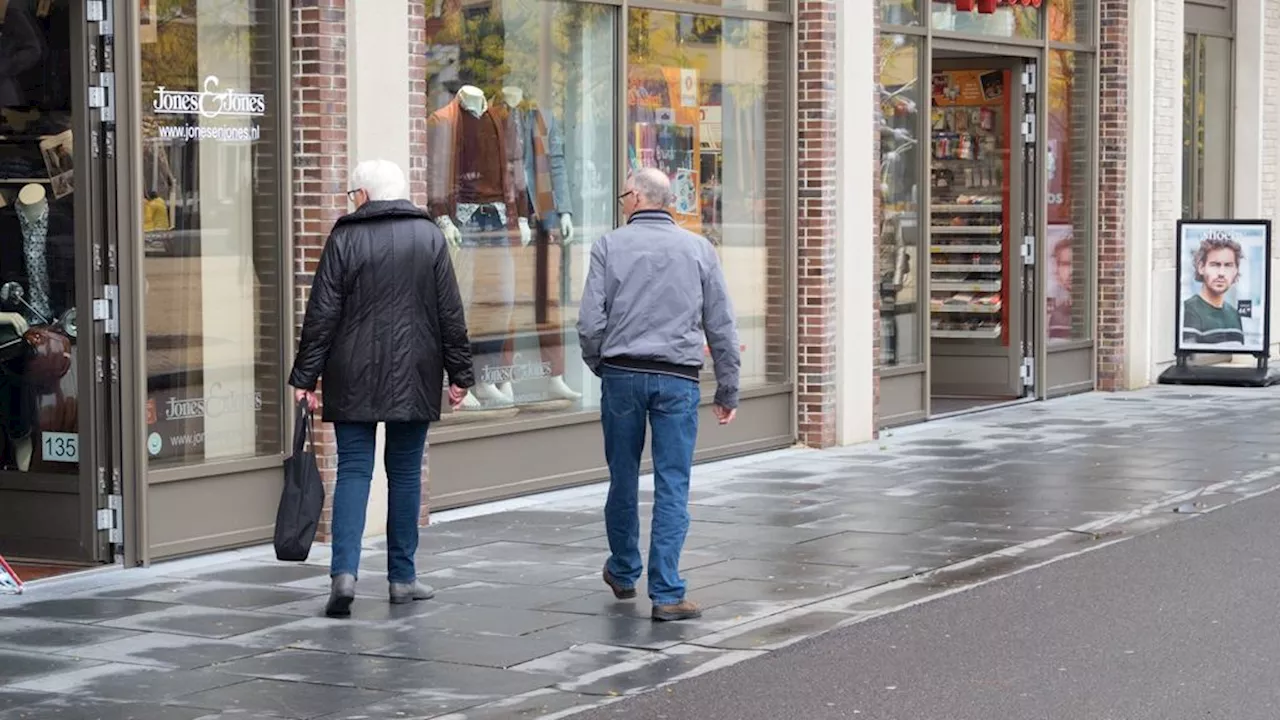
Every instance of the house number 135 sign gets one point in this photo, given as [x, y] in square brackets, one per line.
[60, 447]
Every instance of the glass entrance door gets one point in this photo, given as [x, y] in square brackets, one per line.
[57, 264]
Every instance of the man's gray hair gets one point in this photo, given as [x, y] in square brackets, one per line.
[653, 187]
[380, 179]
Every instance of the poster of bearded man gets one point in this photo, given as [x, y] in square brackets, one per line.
[1224, 278]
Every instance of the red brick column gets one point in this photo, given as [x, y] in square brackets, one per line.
[320, 162]
[877, 217]
[417, 169]
[816, 221]
[1113, 175]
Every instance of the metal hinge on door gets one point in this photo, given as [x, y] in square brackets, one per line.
[109, 518]
[107, 308]
[102, 96]
[1029, 250]
[1028, 372]
[1029, 79]
[1029, 128]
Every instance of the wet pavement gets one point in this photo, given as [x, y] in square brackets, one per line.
[782, 546]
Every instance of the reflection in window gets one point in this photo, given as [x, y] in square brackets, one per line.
[39, 404]
[707, 103]
[1207, 118]
[1010, 21]
[1070, 216]
[900, 312]
[520, 164]
[211, 231]
[1071, 21]
[900, 12]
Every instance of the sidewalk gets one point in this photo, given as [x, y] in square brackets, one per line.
[782, 546]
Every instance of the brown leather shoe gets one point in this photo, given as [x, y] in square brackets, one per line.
[684, 610]
[620, 592]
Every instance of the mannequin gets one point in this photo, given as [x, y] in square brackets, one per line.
[17, 398]
[535, 154]
[32, 208]
[471, 198]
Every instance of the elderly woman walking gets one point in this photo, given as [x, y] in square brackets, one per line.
[384, 324]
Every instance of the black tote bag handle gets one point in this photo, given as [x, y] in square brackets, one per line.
[304, 428]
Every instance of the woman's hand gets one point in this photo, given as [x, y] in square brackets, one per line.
[308, 397]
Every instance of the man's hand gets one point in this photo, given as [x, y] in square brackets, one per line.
[725, 415]
[308, 397]
[456, 396]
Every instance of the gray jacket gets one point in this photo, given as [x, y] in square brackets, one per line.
[654, 292]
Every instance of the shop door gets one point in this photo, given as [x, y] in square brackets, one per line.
[981, 231]
[60, 487]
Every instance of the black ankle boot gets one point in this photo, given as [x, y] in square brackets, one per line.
[341, 594]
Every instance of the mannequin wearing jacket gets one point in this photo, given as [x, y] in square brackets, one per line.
[471, 197]
[535, 153]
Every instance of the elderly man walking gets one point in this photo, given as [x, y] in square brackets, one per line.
[655, 298]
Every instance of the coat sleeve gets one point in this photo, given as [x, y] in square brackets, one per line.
[452, 321]
[324, 311]
[593, 314]
[720, 325]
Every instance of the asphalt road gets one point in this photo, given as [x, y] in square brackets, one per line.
[1179, 623]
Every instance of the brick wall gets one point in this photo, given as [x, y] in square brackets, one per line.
[319, 63]
[1113, 177]
[877, 216]
[816, 226]
[417, 169]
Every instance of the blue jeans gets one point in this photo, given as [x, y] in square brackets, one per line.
[406, 444]
[669, 405]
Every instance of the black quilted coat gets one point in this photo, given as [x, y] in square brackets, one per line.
[385, 321]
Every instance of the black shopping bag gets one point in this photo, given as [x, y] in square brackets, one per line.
[303, 496]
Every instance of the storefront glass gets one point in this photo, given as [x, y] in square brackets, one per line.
[1069, 201]
[38, 352]
[529, 86]
[533, 85]
[1206, 136]
[900, 12]
[1071, 21]
[212, 230]
[758, 5]
[707, 103]
[899, 237]
[1010, 21]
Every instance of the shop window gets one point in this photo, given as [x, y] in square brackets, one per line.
[212, 224]
[1206, 127]
[1069, 200]
[975, 18]
[1071, 21]
[900, 12]
[757, 5]
[707, 103]
[899, 235]
[521, 161]
[39, 418]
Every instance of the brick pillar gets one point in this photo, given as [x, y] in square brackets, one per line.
[816, 222]
[1113, 176]
[877, 216]
[320, 162]
[418, 161]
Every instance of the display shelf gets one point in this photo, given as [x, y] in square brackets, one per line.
[966, 229]
[990, 333]
[955, 268]
[25, 181]
[968, 208]
[960, 286]
[970, 309]
[967, 249]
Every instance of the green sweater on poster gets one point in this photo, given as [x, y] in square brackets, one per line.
[1204, 324]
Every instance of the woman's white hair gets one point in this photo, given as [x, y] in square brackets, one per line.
[380, 179]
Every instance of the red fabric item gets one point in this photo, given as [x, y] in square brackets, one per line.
[964, 5]
[986, 7]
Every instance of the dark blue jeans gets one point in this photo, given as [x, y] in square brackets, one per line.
[669, 405]
[406, 444]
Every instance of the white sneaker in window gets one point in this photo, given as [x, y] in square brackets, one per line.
[470, 403]
[489, 395]
[559, 390]
[507, 391]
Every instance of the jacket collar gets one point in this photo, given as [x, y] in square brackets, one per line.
[382, 210]
[651, 216]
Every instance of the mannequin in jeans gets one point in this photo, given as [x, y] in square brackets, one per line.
[473, 208]
[535, 154]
